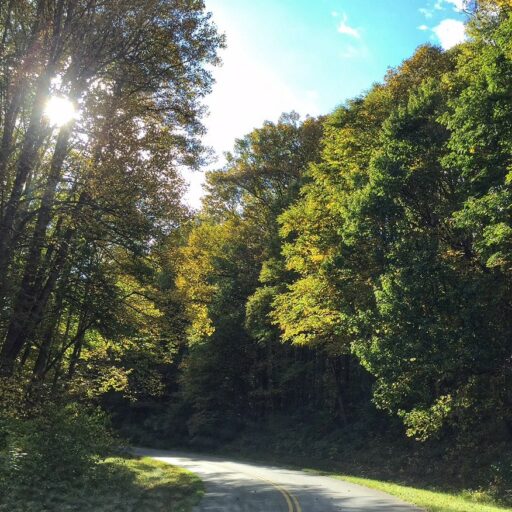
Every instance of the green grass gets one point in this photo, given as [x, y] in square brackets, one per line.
[432, 501]
[120, 485]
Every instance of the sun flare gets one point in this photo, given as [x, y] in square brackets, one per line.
[59, 111]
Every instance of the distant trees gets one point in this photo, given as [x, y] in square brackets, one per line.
[377, 242]
[231, 371]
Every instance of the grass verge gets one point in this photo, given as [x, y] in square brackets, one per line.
[432, 501]
[429, 498]
[120, 485]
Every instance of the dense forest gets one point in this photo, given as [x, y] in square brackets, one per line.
[343, 290]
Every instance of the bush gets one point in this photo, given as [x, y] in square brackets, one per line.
[501, 483]
[61, 446]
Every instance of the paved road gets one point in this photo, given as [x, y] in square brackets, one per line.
[241, 487]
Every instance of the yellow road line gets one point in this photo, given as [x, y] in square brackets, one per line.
[298, 508]
[291, 500]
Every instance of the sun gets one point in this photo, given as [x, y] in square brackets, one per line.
[59, 111]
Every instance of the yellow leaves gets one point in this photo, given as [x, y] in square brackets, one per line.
[502, 4]
[305, 313]
[112, 379]
[318, 258]
[101, 373]
[140, 307]
[508, 177]
[206, 245]
[201, 325]
[452, 254]
[423, 423]
[307, 259]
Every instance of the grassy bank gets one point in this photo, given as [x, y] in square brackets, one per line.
[120, 485]
[428, 498]
[431, 501]
[429, 482]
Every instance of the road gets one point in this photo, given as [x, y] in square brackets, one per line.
[242, 487]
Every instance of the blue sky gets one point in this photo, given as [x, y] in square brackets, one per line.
[310, 56]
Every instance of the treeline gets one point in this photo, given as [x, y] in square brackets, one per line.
[353, 272]
[367, 253]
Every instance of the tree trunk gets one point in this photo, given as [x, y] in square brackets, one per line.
[340, 392]
[31, 145]
[29, 310]
[39, 371]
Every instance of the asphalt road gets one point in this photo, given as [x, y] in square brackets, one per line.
[241, 487]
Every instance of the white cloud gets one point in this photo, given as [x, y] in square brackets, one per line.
[441, 5]
[450, 33]
[346, 29]
[458, 5]
[423, 27]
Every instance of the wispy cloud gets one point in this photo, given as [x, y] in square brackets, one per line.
[458, 5]
[441, 5]
[346, 29]
[354, 52]
[423, 27]
[450, 33]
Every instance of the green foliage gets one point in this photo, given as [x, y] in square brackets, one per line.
[120, 484]
[58, 447]
[357, 266]
[401, 240]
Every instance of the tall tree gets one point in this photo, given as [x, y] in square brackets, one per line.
[108, 179]
[234, 239]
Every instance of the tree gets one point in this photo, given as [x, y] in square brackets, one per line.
[106, 184]
[230, 248]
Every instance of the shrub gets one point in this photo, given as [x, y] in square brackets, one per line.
[61, 446]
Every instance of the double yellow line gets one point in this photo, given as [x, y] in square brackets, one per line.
[291, 500]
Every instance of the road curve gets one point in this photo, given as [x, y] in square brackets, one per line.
[242, 487]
